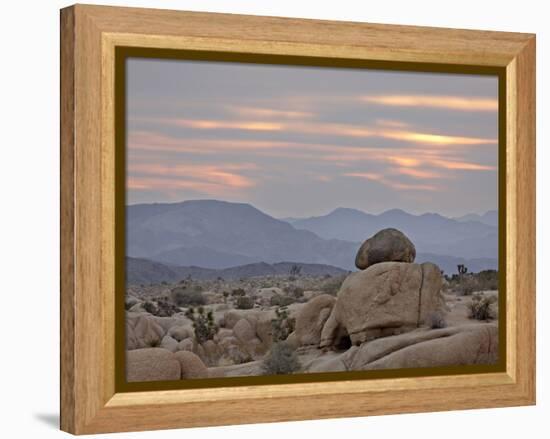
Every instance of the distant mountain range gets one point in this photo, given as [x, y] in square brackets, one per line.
[217, 235]
[490, 218]
[143, 271]
[430, 232]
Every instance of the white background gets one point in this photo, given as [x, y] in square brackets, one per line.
[29, 218]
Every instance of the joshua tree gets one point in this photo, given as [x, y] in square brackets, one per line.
[282, 325]
[203, 323]
[462, 269]
[295, 270]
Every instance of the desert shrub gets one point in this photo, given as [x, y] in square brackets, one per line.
[282, 325]
[203, 324]
[332, 285]
[154, 343]
[244, 302]
[465, 285]
[480, 307]
[187, 296]
[275, 300]
[279, 300]
[238, 292]
[487, 279]
[281, 360]
[294, 290]
[436, 320]
[239, 357]
[165, 308]
[150, 307]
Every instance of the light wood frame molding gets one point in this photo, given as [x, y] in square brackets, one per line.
[89, 35]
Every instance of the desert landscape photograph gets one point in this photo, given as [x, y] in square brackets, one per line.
[285, 220]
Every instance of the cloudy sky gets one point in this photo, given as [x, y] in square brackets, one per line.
[302, 141]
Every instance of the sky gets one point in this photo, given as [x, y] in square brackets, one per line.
[302, 141]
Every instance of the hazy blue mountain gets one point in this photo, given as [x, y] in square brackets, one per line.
[490, 217]
[143, 271]
[430, 232]
[218, 234]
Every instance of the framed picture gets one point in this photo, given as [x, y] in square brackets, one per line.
[268, 219]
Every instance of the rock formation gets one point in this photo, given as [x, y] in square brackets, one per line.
[152, 364]
[387, 297]
[388, 245]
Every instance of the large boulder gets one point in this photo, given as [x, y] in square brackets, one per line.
[388, 245]
[151, 364]
[388, 298]
[181, 332]
[231, 317]
[244, 331]
[311, 319]
[186, 345]
[191, 365]
[142, 331]
[169, 343]
[456, 346]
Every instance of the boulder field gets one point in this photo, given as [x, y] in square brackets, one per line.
[380, 318]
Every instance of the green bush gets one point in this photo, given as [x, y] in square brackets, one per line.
[278, 300]
[466, 284]
[282, 325]
[295, 291]
[480, 307]
[245, 302]
[150, 307]
[203, 324]
[187, 296]
[281, 360]
[332, 285]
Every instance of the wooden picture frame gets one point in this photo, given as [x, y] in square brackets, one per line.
[90, 35]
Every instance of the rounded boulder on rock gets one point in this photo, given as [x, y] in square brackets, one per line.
[388, 245]
[386, 299]
[191, 365]
[151, 364]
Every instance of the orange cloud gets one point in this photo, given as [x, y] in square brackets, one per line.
[404, 161]
[464, 166]
[435, 139]
[209, 179]
[260, 112]
[391, 123]
[417, 173]
[332, 129]
[204, 124]
[445, 102]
